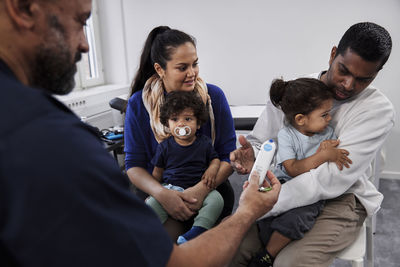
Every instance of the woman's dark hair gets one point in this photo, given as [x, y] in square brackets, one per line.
[300, 96]
[178, 101]
[369, 40]
[158, 48]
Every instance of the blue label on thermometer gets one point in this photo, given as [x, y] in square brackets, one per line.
[267, 147]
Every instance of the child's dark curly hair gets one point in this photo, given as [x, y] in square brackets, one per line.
[177, 101]
[300, 96]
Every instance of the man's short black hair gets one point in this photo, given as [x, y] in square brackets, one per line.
[369, 40]
[178, 101]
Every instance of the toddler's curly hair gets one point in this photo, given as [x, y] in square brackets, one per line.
[178, 101]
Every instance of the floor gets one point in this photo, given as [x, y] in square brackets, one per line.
[387, 236]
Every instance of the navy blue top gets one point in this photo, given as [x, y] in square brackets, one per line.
[63, 199]
[140, 144]
[184, 165]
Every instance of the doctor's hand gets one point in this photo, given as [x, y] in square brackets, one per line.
[242, 159]
[256, 203]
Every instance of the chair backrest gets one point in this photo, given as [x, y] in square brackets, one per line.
[118, 104]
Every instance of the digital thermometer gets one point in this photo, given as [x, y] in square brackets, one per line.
[264, 159]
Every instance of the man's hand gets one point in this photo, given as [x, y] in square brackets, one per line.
[328, 150]
[257, 203]
[242, 159]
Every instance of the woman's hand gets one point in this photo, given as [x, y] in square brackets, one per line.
[177, 204]
[242, 159]
[198, 192]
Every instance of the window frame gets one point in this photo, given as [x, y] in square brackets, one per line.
[81, 80]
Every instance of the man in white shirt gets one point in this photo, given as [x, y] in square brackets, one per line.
[362, 118]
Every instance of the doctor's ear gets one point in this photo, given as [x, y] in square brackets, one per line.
[23, 12]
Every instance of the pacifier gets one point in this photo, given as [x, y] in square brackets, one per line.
[183, 131]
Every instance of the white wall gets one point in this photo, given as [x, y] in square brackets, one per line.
[243, 45]
[112, 35]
